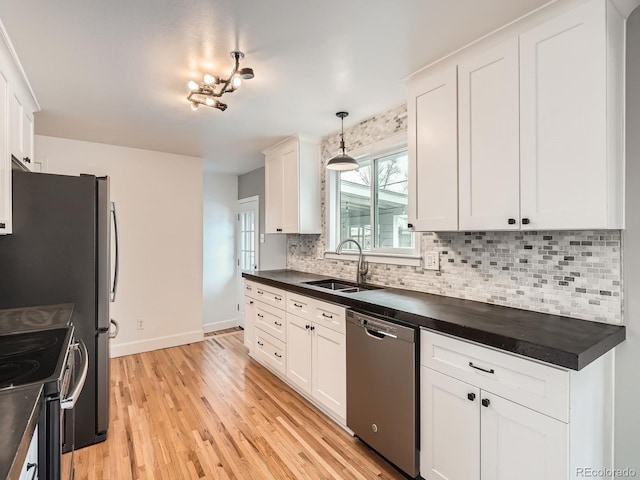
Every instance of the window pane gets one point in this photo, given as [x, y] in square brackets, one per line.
[392, 181]
[355, 206]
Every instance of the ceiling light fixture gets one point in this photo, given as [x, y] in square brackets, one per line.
[214, 87]
[342, 161]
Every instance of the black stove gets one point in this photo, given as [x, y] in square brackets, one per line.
[35, 356]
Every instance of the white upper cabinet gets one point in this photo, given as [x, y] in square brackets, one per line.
[17, 106]
[571, 116]
[5, 160]
[489, 153]
[292, 187]
[433, 152]
[530, 134]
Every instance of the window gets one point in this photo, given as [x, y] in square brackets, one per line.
[370, 204]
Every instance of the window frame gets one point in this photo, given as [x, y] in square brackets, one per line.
[372, 152]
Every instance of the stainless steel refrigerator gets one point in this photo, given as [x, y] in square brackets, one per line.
[60, 253]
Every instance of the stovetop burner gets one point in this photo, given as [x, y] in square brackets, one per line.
[31, 356]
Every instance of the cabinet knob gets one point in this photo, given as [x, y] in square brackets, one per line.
[307, 327]
[512, 221]
[526, 221]
[409, 225]
[26, 159]
[250, 302]
[471, 396]
[312, 327]
[485, 402]
[3, 225]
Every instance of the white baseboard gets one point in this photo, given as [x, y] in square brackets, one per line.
[147, 345]
[215, 326]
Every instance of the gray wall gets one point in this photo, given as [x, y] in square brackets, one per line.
[273, 252]
[627, 413]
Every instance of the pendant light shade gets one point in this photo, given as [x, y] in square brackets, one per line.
[342, 161]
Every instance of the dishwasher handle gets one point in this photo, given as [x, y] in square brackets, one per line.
[377, 334]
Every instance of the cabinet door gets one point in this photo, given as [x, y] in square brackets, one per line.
[488, 109]
[299, 352]
[290, 177]
[433, 152]
[330, 369]
[521, 443]
[450, 428]
[27, 139]
[16, 117]
[274, 190]
[249, 320]
[5, 160]
[564, 121]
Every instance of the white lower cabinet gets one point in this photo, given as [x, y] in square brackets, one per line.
[547, 423]
[30, 467]
[317, 363]
[303, 340]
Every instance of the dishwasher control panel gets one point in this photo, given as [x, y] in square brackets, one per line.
[380, 326]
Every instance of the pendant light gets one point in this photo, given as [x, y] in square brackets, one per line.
[342, 161]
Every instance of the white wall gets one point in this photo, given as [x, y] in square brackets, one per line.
[159, 204]
[627, 382]
[219, 280]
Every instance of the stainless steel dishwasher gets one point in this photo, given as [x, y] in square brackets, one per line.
[382, 388]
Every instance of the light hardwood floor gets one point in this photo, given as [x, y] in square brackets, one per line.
[207, 410]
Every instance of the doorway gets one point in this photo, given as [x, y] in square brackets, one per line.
[247, 252]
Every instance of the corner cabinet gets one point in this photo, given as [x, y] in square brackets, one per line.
[292, 186]
[529, 134]
[488, 415]
[17, 108]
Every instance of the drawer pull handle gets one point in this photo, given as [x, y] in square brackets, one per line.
[327, 316]
[260, 343]
[260, 292]
[312, 327]
[277, 355]
[471, 396]
[485, 402]
[250, 302]
[279, 299]
[248, 288]
[296, 305]
[261, 315]
[278, 324]
[307, 327]
[481, 369]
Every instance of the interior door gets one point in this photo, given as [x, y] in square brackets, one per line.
[247, 252]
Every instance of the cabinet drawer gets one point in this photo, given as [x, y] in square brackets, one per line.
[270, 295]
[271, 320]
[300, 305]
[270, 351]
[540, 387]
[330, 315]
[250, 289]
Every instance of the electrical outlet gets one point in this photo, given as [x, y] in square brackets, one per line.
[262, 238]
[140, 324]
[432, 261]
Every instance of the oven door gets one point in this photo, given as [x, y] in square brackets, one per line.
[67, 402]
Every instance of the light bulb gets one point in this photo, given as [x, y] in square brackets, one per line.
[237, 81]
[211, 101]
[194, 106]
[209, 79]
[193, 85]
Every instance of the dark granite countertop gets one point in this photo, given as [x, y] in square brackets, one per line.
[23, 319]
[562, 341]
[19, 412]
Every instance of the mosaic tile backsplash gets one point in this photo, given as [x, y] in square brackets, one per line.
[569, 273]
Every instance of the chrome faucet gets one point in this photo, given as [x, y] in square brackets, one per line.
[363, 267]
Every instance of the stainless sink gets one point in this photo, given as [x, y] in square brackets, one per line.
[341, 286]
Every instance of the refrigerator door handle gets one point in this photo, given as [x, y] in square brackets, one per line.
[114, 288]
[114, 334]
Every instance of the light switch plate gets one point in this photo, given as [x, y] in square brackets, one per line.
[262, 238]
[432, 261]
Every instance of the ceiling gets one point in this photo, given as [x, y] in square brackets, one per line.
[116, 71]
